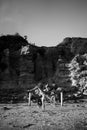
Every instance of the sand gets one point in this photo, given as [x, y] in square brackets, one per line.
[71, 116]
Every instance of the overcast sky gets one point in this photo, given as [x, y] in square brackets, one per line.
[45, 22]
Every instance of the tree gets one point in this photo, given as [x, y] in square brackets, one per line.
[78, 72]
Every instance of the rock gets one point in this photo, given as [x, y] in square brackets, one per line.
[41, 64]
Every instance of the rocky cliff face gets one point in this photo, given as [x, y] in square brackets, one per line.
[41, 64]
[67, 50]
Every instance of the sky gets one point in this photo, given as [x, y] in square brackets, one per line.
[45, 22]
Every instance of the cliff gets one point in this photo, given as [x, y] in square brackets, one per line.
[41, 64]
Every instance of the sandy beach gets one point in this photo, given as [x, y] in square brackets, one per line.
[71, 116]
